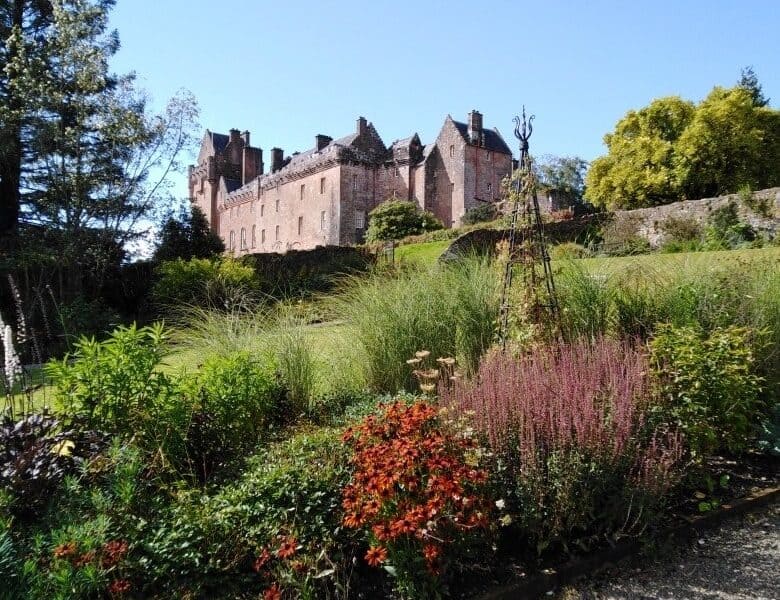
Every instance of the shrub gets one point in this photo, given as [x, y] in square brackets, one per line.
[214, 283]
[417, 493]
[394, 219]
[681, 234]
[569, 251]
[36, 454]
[725, 230]
[482, 213]
[115, 386]
[234, 399]
[620, 237]
[568, 428]
[278, 524]
[769, 432]
[187, 237]
[708, 385]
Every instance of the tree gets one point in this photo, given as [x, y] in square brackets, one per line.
[89, 142]
[395, 219]
[749, 81]
[23, 24]
[188, 237]
[673, 150]
[563, 173]
[639, 167]
[730, 143]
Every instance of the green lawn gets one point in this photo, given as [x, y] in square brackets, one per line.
[427, 253]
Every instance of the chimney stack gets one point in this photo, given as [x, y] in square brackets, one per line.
[320, 141]
[245, 137]
[235, 135]
[475, 127]
[362, 125]
[277, 158]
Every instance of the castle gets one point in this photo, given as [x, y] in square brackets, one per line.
[323, 196]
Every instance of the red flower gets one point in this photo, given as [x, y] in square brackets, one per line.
[376, 555]
[84, 559]
[431, 552]
[119, 587]
[273, 593]
[260, 561]
[113, 552]
[288, 547]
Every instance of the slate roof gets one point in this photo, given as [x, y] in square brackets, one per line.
[492, 139]
[219, 141]
[232, 184]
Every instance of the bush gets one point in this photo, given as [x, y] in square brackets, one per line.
[569, 251]
[417, 493]
[482, 213]
[708, 386]
[395, 219]
[234, 397]
[621, 237]
[568, 428]
[725, 230]
[681, 234]
[279, 524]
[115, 386]
[213, 283]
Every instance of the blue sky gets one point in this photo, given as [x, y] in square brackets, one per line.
[289, 70]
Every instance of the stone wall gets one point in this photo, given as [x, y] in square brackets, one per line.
[649, 221]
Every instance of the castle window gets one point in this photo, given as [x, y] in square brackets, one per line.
[303, 190]
[354, 182]
[397, 172]
[277, 205]
[232, 245]
[243, 239]
[254, 238]
[452, 151]
[490, 187]
[262, 209]
[360, 219]
[322, 221]
[277, 233]
[300, 225]
[322, 185]
[489, 156]
[262, 236]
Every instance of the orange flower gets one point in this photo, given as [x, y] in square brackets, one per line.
[431, 552]
[376, 555]
[273, 593]
[65, 550]
[84, 559]
[288, 547]
[260, 561]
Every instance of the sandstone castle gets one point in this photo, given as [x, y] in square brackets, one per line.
[323, 196]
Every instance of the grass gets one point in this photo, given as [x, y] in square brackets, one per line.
[425, 254]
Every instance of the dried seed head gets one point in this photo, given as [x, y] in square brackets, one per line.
[422, 354]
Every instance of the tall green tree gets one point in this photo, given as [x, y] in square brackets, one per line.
[23, 26]
[563, 173]
[188, 236]
[748, 80]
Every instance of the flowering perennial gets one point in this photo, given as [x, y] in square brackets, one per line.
[415, 487]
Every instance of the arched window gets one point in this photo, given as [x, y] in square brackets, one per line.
[254, 238]
[243, 239]
[232, 245]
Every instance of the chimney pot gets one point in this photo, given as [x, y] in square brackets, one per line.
[277, 158]
[362, 125]
[320, 141]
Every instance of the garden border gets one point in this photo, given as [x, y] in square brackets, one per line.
[540, 583]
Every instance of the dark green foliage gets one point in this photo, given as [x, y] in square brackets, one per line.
[187, 237]
[35, 455]
[564, 174]
[769, 432]
[235, 398]
[748, 80]
[725, 230]
[481, 213]
[708, 385]
[620, 236]
[395, 219]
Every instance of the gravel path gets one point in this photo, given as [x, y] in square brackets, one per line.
[740, 560]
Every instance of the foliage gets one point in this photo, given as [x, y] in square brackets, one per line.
[748, 81]
[568, 428]
[36, 454]
[394, 219]
[277, 524]
[569, 251]
[725, 230]
[708, 385]
[187, 237]
[639, 168]
[481, 213]
[234, 397]
[214, 283]
[565, 174]
[295, 363]
[681, 229]
[115, 386]
[769, 432]
[450, 311]
[417, 493]
[620, 236]
[672, 150]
